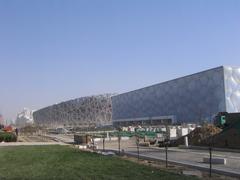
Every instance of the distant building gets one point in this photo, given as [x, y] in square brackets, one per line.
[187, 99]
[89, 111]
[24, 118]
[1, 119]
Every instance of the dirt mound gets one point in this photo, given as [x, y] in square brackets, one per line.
[229, 137]
[30, 129]
[200, 136]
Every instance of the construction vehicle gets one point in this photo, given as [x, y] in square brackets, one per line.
[8, 129]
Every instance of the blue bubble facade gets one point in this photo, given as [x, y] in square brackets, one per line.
[190, 99]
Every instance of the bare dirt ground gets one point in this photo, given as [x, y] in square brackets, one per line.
[34, 138]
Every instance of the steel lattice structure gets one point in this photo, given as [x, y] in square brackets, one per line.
[81, 112]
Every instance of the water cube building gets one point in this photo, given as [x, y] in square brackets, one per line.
[193, 98]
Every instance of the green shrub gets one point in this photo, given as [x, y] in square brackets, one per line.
[7, 137]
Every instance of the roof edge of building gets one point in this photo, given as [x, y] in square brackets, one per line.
[222, 66]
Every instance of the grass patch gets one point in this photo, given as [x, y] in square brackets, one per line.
[62, 162]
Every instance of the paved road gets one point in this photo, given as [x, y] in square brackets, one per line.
[190, 157]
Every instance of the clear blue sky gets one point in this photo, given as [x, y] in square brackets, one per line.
[51, 51]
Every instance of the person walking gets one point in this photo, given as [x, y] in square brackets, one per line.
[16, 131]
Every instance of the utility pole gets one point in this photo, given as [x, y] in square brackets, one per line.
[119, 145]
[166, 151]
[103, 142]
